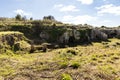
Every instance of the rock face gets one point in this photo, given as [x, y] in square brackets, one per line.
[98, 35]
[44, 35]
[111, 33]
[71, 35]
[64, 38]
[10, 40]
[76, 34]
[57, 35]
[118, 34]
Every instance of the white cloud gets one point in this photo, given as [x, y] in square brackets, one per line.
[108, 9]
[88, 2]
[58, 5]
[106, 21]
[22, 12]
[78, 19]
[69, 8]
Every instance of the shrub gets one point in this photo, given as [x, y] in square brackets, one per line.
[75, 65]
[18, 17]
[66, 77]
[63, 64]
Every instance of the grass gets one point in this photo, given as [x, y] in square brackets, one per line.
[10, 32]
[92, 62]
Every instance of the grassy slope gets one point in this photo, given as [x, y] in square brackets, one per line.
[99, 61]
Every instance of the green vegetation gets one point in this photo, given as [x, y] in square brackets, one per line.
[75, 65]
[14, 41]
[66, 77]
[18, 17]
[22, 46]
[53, 32]
[88, 61]
[91, 62]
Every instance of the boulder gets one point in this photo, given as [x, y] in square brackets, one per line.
[22, 46]
[98, 35]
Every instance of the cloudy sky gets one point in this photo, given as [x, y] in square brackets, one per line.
[93, 12]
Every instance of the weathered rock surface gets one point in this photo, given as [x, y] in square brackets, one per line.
[56, 36]
[13, 40]
[96, 34]
[22, 46]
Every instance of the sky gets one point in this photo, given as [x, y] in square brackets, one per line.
[92, 12]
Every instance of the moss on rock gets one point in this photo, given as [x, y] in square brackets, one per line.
[22, 46]
[11, 40]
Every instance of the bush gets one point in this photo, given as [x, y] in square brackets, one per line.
[18, 17]
[75, 65]
[64, 64]
[66, 77]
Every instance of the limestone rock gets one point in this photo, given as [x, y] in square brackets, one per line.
[44, 35]
[22, 46]
[98, 35]
[11, 40]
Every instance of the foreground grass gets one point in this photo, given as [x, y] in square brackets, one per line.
[99, 61]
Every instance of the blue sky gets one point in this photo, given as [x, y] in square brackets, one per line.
[93, 12]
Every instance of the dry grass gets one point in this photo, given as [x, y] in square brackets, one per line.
[92, 62]
[10, 32]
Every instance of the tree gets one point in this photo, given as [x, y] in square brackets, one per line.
[18, 17]
[103, 26]
[48, 17]
[24, 18]
[31, 18]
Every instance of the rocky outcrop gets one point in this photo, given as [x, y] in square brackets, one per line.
[64, 38]
[9, 38]
[96, 35]
[59, 36]
[22, 46]
[118, 33]
[13, 41]
[73, 35]
[112, 33]
[70, 36]
[44, 35]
